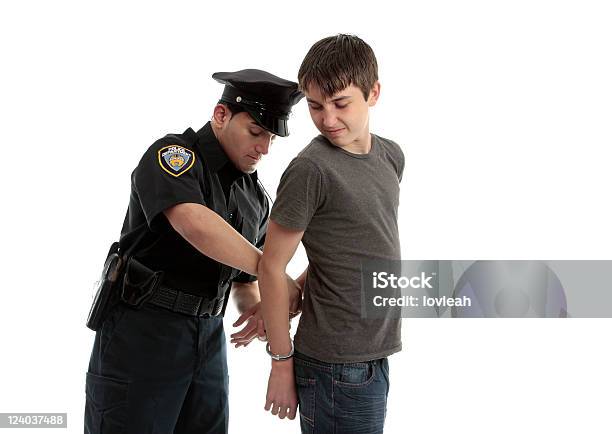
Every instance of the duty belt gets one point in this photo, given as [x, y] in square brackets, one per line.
[188, 304]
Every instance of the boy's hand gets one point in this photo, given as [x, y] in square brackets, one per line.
[254, 327]
[295, 297]
[282, 396]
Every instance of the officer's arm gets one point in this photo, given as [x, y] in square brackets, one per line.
[214, 237]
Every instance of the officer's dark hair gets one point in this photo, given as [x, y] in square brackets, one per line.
[336, 62]
[233, 108]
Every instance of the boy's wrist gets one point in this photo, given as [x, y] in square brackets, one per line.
[280, 357]
[283, 366]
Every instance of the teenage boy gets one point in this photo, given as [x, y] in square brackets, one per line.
[339, 196]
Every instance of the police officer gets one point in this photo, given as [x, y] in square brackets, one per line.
[196, 220]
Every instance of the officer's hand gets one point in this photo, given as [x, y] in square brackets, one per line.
[254, 327]
[282, 396]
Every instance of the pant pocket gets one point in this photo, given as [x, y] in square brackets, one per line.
[105, 405]
[361, 400]
[357, 374]
[306, 397]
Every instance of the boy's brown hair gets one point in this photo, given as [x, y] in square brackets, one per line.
[336, 62]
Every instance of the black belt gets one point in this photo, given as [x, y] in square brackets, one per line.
[188, 304]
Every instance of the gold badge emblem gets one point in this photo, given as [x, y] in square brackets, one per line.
[175, 159]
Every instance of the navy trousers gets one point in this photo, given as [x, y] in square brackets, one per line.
[153, 371]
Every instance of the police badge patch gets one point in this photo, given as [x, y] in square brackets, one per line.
[175, 159]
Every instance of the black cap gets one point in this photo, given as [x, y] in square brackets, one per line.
[266, 97]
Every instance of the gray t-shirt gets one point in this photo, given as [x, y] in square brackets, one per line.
[347, 205]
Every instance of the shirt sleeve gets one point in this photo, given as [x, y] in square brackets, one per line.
[159, 185]
[299, 194]
[402, 162]
[397, 159]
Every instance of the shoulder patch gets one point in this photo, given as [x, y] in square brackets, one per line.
[175, 159]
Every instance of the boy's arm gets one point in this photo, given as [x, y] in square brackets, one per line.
[296, 298]
[301, 280]
[281, 244]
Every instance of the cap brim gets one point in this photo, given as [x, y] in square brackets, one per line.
[274, 124]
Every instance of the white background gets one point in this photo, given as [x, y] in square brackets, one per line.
[503, 110]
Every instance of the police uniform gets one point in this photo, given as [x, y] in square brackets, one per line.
[158, 363]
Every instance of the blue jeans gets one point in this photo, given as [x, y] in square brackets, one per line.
[341, 398]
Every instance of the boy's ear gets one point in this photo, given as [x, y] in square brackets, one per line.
[374, 94]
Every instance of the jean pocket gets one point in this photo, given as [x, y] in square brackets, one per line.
[306, 389]
[357, 374]
[105, 404]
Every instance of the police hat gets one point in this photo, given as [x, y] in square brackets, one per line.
[266, 97]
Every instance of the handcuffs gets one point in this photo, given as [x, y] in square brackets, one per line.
[280, 357]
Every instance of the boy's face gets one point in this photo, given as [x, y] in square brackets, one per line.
[342, 118]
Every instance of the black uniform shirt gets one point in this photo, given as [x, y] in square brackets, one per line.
[191, 168]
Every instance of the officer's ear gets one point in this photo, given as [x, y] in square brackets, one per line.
[221, 116]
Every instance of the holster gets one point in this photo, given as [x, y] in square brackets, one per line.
[139, 283]
[106, 293]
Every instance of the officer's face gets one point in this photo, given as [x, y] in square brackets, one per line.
[343, 117]
[243, 140]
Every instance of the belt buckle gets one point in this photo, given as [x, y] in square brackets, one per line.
[210, 308]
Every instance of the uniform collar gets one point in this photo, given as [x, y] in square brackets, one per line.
[213, 153]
